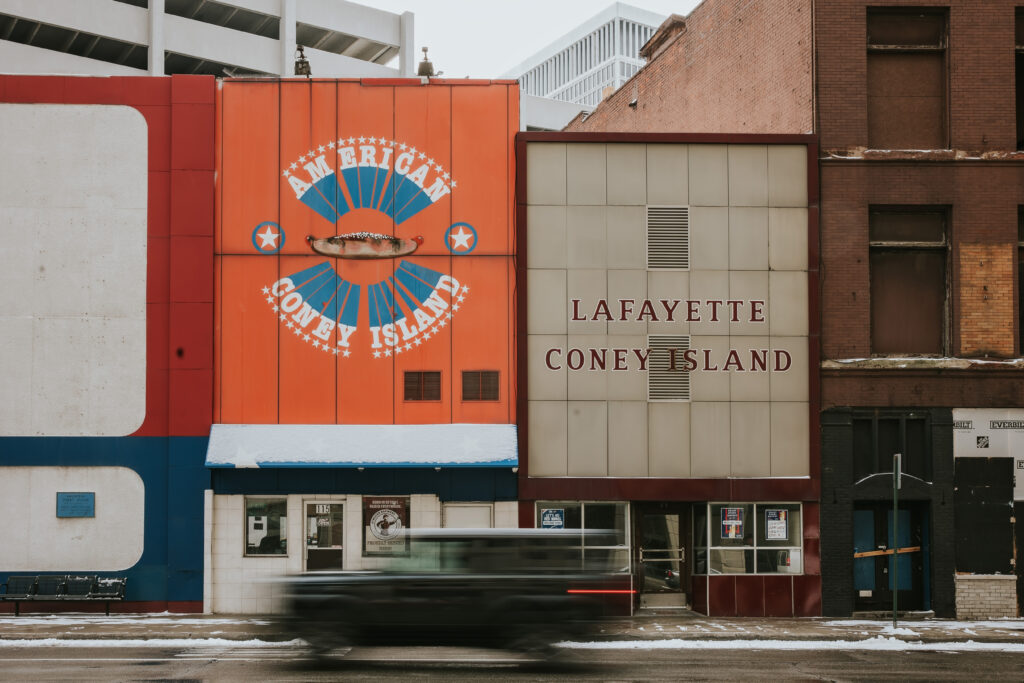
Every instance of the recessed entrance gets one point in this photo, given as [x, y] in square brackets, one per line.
[660, 553]
[325, 533]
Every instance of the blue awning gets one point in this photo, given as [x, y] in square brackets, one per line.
[431, 445]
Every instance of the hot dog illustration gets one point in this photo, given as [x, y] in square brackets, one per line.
[364, 245]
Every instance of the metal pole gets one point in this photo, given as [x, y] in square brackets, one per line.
[896, 483]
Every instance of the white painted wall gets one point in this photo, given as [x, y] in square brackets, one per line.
[73, 270]
[33, 539]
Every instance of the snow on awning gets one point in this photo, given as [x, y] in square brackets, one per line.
[431, 445]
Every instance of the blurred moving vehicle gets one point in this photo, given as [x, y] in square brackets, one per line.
[519, 589]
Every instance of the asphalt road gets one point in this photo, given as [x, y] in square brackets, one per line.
[288, 663]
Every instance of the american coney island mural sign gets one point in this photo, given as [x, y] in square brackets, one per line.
[397, 181]
[365, 223]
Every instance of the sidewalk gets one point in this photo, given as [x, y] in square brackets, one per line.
[659, 625]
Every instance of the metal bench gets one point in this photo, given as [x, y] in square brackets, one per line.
[63, 588]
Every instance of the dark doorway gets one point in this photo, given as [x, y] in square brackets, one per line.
[661, 552]
[325, 531]
[874, 558]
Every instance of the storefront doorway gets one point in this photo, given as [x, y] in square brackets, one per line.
[874, 558]
[662, 537]
[325, 533]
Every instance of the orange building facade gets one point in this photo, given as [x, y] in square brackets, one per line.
[364, 325]
[306, 338]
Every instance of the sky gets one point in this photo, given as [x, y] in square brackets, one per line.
[485, 38]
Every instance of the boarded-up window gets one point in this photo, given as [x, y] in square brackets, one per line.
[909, 252]
[1020, 279]
[1019, 41]
[983, 505]
[907, 79]
[423, 386]
[480, 385]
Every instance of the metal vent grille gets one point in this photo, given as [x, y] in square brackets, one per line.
[668, 237]
[663, 382]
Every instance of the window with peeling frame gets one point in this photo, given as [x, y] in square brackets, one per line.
[907, 82]
[909, 254]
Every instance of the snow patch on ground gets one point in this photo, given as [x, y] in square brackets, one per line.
[1008, 624]
[126, 620]
[876, 643]
[150, 642]
[899, 631]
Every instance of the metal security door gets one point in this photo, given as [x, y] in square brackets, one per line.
[661, 555]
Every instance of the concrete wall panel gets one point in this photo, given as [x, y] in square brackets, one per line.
[73, 208]
[37, 540]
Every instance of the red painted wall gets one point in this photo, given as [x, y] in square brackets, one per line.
[179, 112]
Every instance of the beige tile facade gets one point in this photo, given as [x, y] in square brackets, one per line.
[589, 413]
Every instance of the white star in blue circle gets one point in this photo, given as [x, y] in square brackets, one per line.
[460, 238]
[268, 237]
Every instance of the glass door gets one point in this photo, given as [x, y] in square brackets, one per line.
[325, 534]
[661, 554]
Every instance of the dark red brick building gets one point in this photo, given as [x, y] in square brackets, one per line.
[919, 111]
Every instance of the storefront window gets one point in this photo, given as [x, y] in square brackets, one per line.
[748, 538]
[609, 551]
[266, 524]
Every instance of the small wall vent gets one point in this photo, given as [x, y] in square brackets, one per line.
[668, 237]
[665, 382]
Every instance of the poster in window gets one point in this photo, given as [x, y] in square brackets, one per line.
[552, 518]
[732, 522]
[385, 519]
[776, 525]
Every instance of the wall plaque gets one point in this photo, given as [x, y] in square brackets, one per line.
[76, 504]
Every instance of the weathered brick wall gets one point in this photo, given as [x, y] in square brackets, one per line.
[986, 597]
[981, 71]
[983, 197]
[739, 67]
[986, 302]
